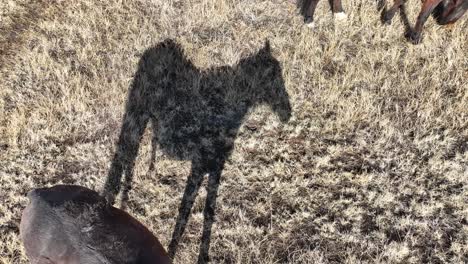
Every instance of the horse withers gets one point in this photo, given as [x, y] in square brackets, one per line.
[69, 224]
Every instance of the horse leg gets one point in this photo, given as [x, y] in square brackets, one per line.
[309, 13]
[428, 6]
[191, 189]
[337, 9]
[388, 15]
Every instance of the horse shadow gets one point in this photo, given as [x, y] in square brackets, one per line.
[195, 115]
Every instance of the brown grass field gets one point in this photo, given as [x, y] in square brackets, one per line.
[372, 166]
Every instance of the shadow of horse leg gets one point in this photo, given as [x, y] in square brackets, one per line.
[154, 146]
[127, 187]
[209, 212]
[112, 185]
[191, 189]
[124, 159]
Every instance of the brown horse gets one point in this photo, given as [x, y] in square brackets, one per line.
[69, 224]
[308, 10]
[444, 11]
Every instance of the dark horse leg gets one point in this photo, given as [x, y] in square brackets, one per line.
[133, 127]
[191, 189]
[388, 15]
[428, 6]
[309, 8]
[337, 9]
[336, 6]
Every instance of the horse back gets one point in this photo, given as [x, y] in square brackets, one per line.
[72, 224]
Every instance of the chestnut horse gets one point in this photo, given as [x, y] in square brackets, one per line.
[308, 10]
[69, 224]
[444, 11]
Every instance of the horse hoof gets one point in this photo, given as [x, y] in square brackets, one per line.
[341, 16]
[387, 18]
[309, 22]
[413, 37]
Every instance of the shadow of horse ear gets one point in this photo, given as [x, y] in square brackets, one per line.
[267, 46]
[195, 115]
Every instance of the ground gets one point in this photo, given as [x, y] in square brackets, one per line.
[371, 167]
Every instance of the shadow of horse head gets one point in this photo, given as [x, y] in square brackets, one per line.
[195, 115]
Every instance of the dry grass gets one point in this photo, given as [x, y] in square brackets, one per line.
[372, 167]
